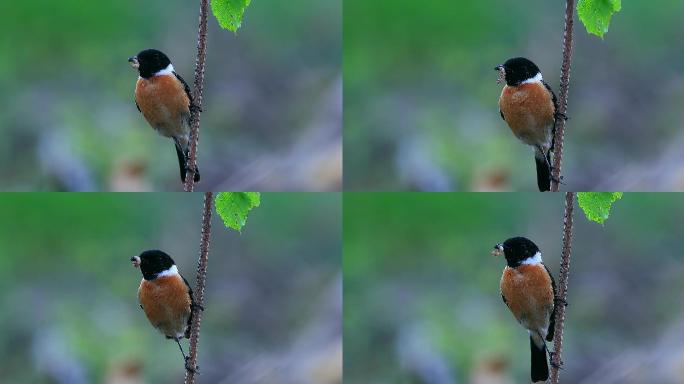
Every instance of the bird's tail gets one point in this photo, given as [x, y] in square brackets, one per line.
[543, 170]
[183, 162]
[540, 366]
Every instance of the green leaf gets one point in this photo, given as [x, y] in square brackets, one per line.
[229, 12]
[596, 205]
[233, 207]
[596, 14]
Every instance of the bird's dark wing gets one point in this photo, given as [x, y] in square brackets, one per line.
[555, 114]
[504, 300]
[189, 290]
[502, 116]
[137, 106]
[192, 308]
[553, 96]
[193, 107]
[185, 86]
[552, 321]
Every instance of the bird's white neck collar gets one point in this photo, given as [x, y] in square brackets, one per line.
[169, 272]
[169, 71]
[536, 259]
[536, 79]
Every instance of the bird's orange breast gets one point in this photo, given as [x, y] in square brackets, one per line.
[166, 302]
[164, 103]
[528, 292]
[529, 111]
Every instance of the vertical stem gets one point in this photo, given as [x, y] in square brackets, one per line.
[562, 287]
[197, 96]
[563, 95]
[199, 287]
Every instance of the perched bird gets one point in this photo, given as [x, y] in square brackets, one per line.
[530, 108]
[529, 291]
[164, 99]
[165, 296]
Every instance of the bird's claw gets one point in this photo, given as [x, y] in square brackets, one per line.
[562, 116]
[558, 365]
[557, 180]
[559, 300]
[188, 368]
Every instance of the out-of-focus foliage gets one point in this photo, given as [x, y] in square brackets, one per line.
[229, 13]
[68, 292]
[272, 96]
[421, 100]
[422, 301]
[596, 205]
[596, 14]
[233, 207]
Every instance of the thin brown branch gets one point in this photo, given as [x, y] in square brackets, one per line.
[197, 96]
[562, 294]
[199, 289]
[563, 95]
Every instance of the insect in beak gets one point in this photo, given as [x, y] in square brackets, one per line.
[502, 73]
[498, 250]
[134, 62]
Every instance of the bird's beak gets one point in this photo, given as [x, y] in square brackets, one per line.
[134, 62]
[136, 261]
[498, 250]
[502, 73]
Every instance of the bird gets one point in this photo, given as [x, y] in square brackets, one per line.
[530, 108]
[165, 296]
[165, 101]
[529, 291]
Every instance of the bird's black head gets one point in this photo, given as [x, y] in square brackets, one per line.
[149, 62]
[516, 250]
[517, 70]
[152, 263]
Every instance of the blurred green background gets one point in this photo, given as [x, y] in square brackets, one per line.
[272, 96]
[422, 301]
[69, 292]
[421, 99]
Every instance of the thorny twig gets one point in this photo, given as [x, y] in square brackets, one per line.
[199, 289]
[197, 96]
[562, 95]
[562, 293]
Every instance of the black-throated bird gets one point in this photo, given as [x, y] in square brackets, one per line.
[164, 99]
[165, 296]
[529, 291]
[529, 107]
